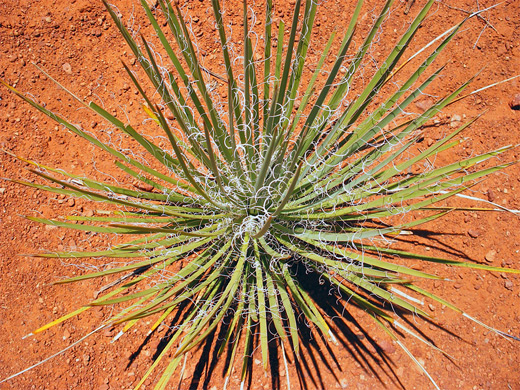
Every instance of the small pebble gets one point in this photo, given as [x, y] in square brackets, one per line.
[387, 346]
[455, 120]
[515, 102]
[142, 186]
[473, 233]
[491, 256]
[424, 104]
[491, 195]
[67, 68]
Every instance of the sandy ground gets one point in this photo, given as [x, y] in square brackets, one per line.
[76, 43]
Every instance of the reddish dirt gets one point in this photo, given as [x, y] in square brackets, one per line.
[76, 43]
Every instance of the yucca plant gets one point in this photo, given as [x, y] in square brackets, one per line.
[279, 180]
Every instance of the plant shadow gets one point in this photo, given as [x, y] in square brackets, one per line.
[317, 354]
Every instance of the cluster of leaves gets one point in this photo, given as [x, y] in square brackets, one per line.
[250, 196]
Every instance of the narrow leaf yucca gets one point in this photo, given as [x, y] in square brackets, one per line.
[282, 176]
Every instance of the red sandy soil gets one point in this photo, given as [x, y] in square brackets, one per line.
[76, 43]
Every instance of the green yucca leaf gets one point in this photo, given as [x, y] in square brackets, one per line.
[284, 175]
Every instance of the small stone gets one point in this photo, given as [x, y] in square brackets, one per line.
[457, 286]
[473, 233]
[455, 120]
[50, 227]
[66, 334]
[142, 186]
[508, 284]
[491, 195]
[515, 102]
[343, 383]
[47, 19]
[2, 191]
[432, 308]
[258, 362]
[387, 346]
[491, 256]
[71, 202]
[67, 68]
[188, 373]
[89, 213]
[424, 104]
